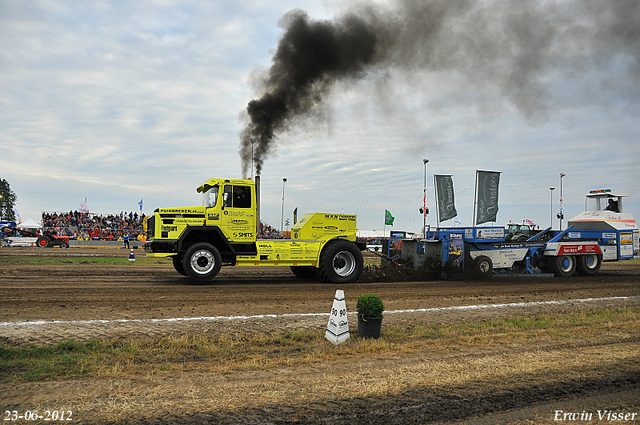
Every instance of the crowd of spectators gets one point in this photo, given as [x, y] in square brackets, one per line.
[268, 232]
[86, 226]
[89, 226]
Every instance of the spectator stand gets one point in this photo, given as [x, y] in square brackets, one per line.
[91, 229]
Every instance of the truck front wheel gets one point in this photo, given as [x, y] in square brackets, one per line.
[202, 262]
[340, 262]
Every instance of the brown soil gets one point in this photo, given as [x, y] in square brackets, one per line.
[50, 303]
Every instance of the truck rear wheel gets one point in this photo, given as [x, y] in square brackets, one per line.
[202, 262]
[340, 262]
[564, 265]
[589, 264]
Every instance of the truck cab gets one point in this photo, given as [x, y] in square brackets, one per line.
[225, 230]
[231, 206]
[603, 200]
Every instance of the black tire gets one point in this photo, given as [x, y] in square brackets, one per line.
[42, 242]
[202, 262]
[340, 262]
[589, 264]
[64, 245]
[177, 264]
[522, 238]
[482, 266]
[305, 272]
[564, 265]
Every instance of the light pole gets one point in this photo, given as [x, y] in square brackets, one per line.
[424, 206]
[284, 180]
[551, 189]
[561, 213]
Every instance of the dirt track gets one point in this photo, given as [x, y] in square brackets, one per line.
[87, 300]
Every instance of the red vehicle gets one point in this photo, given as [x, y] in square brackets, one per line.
[48, 239]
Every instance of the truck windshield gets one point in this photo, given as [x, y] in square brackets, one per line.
[210, 197]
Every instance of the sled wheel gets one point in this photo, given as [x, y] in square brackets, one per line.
[565, 265]
[177, 264]
[42, 242]
[589, 264]
[340, 262]
[483, 266]
[202, 262]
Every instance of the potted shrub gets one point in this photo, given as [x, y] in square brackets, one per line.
[370, 308]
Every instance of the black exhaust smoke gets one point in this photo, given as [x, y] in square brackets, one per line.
[510, 46]
[309, 58]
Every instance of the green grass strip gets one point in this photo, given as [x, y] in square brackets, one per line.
[229, 352]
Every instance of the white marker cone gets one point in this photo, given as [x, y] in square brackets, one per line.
[338, 326]
[132, 256]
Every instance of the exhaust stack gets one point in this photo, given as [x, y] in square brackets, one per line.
[257, 207]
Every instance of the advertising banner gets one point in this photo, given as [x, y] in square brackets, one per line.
[445, 197]
[487, 207]
[395, 243]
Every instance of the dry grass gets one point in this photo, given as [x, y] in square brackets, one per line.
[229, 353]
[227, 373]
[364, 377]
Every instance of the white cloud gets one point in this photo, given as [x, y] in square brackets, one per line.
[119, 101]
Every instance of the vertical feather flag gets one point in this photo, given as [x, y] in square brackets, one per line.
[445, 197]
[487, 195]
[83, 206]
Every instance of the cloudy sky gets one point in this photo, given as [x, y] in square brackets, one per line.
[118, 101]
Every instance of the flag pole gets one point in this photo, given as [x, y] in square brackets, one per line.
[475, 201]
[384, 234]
[435, 192]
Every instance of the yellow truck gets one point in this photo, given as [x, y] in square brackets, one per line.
[224, 230]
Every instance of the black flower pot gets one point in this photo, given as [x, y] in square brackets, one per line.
[369, 327]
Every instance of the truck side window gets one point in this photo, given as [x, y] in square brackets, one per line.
[242, 196]
[237, 196]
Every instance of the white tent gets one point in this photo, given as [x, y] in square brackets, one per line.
[29, 224]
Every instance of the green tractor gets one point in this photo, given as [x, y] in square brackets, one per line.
[520, 232]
